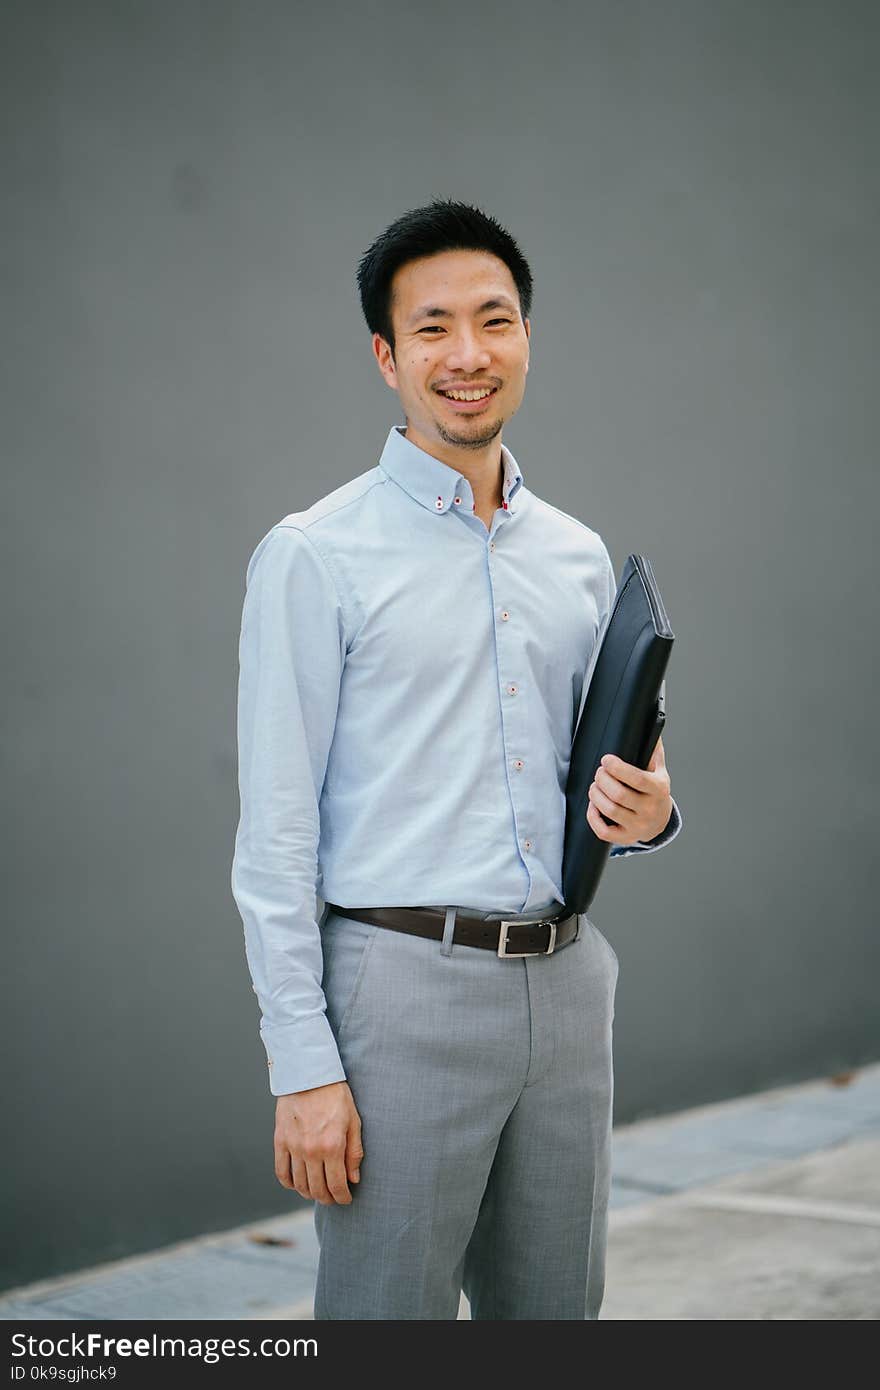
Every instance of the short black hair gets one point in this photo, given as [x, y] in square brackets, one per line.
[442, 225]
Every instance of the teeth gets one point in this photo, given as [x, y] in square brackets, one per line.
[467, 395]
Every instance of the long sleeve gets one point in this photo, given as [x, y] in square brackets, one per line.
[291, 655]
[674, 824]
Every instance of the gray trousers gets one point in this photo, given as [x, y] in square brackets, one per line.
[485, 1092]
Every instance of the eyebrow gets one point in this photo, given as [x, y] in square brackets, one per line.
[433, 311]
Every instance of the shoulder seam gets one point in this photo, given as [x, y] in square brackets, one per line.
[567, 515]
[315, 520]
[325, 561]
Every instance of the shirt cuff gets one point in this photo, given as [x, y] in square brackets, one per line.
[666, 836]
[301, 1055]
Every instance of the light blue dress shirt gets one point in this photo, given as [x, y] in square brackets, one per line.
[409, 687]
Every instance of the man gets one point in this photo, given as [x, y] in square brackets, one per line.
[412, 658]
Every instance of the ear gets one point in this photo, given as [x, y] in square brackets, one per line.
[385, 359]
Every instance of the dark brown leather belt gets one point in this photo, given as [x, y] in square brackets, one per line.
[508, 937]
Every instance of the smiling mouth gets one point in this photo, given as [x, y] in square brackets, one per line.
[465, 397]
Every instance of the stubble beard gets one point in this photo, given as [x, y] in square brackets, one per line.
[479, 440]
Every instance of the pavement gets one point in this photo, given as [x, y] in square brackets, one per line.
[767, 1206]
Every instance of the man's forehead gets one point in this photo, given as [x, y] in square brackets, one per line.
[453, 282]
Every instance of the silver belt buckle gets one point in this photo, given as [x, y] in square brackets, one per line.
[512, 955]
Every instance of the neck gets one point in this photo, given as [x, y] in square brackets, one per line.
[481, 466]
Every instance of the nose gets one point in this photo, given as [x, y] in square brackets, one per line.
[466, 353]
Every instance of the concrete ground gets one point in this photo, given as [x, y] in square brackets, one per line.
[762, 1207]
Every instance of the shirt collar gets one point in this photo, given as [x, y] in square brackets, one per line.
[436, 484]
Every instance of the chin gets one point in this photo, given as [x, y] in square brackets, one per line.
[473, 439]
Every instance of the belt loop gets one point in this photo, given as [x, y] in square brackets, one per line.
[448, 930]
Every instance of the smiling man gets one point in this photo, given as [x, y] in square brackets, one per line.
[412, 657]
[457, 398]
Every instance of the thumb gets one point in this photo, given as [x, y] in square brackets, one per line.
[658, 757]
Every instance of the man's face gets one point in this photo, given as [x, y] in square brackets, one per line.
[457, 326]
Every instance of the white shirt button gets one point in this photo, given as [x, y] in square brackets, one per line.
[505, 615]
[527, 844]
[439, 502]
[491, 545]
[518, 764]
[511, 690]
[458, 499]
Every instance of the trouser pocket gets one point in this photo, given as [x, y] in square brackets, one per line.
[591, 927]
[346, 945]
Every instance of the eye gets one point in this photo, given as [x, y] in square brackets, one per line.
[431, 328]
[491, 321]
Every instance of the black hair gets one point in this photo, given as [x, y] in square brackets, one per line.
[442, 225]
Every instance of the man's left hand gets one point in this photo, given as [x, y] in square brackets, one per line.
[637, 799]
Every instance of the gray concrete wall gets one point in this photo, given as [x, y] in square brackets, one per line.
[188, 189]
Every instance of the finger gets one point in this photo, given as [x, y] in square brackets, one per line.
[300, 1177]
[603, 831]
[318, 1188]
[620, 814]
[592, 818]
[617, 791]
[340, 1191]
[282, 1166]
[354, 1151]
[628, 773]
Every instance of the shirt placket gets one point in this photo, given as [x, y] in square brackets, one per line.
[513, 692]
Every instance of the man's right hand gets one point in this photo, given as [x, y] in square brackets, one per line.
[318, 1148]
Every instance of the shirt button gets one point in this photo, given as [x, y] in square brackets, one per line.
[491, 545]
[439, 502]
[511, 690]
[505, 615]
[527, 844]
[458, 499]
[518, 764]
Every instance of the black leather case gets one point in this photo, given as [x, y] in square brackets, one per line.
[622, 712]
